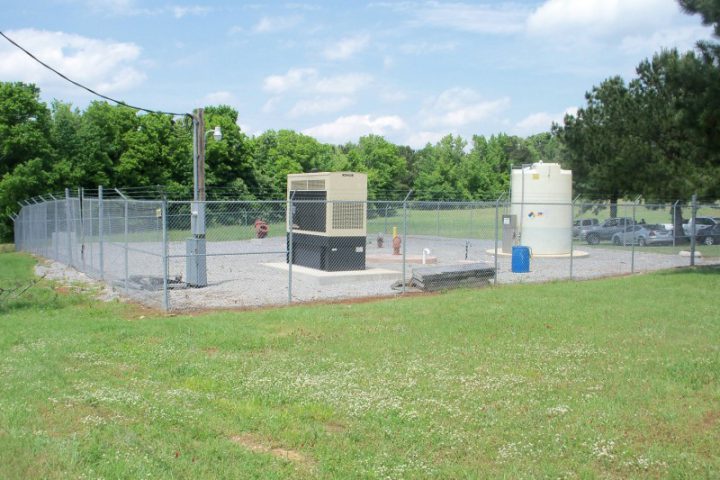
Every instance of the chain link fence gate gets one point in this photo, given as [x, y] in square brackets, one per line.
[144, 248]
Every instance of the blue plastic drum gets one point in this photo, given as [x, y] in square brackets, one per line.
[520, 259]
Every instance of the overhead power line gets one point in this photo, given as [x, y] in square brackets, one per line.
[78, 84]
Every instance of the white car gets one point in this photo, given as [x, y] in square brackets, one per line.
[702, 224]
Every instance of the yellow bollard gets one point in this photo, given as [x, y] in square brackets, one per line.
[397, 241]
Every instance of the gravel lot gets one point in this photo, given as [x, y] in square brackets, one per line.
[239, 276]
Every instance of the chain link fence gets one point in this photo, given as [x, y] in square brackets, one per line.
[181, 255]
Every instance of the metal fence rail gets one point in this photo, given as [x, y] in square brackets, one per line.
[146, 250]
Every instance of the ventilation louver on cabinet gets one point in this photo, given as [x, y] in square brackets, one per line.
[316, 184]
[348, 215]
[303, 185]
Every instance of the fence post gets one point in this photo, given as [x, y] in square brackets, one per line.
[693, 230]
[438, 219]
[46, 252]
[386, 215]
[166, 266]
[497, 232]
[572, 239]
[404, 242]
[56, 236]
[68, 224]
[290, 217]
[101, 233]
[126, 246]
[674, 210]
[472, 218]
[632, 238]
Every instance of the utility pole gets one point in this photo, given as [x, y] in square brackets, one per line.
[200, 155]
[196, 264]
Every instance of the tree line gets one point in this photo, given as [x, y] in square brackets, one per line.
[47, 148]
[657, 136]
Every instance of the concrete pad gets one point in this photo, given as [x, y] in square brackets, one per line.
[575, 254]
[390, 258]
[329, 278]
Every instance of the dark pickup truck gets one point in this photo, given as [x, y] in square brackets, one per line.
[605, 231]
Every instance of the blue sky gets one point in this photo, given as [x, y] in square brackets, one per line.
[411, 71]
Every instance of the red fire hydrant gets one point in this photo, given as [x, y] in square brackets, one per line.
[261, 228]
[396, 245]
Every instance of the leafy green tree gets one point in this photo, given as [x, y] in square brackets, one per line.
[604, 148]
[279, 153]
[384, 165]
[478, 179]
[24, 126]
[146, 160]
[27, 179]
[439, 168]
[230, 163]
[67, 145]
[103, 135]
[709, 10]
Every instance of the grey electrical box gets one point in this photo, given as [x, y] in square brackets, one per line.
[197, 218]
[196, 271]
[510, 233]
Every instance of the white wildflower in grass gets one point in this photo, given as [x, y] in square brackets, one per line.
[93, 420]
[645, 464]
[558, 411]
[508, 451]
[604, 449]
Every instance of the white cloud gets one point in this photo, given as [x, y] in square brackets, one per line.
[270, 105]
[600, 18]
[541, 121]
[467, 17]
[308, 80]
[100, 64]
[294, 78]
[319, 105]
[221, 97]
[276, 24]
[352, 127]
[302, 6]
[392, 96]
[343, 84]
[114, 7]
[420, 48]
[180, 11]
[346, 47]
[420, 139]
[131, 8]
[457, 107]
[682, 38]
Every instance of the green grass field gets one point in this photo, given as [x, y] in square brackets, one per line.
[615, 378]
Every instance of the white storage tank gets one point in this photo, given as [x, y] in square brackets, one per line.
[541, 196]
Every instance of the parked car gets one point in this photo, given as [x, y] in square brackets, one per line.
[701, 224]
[584, 223]
[605, 231]
[710, 235]
[643, 235]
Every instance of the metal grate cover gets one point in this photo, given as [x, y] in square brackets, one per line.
[298, 185]
[302, 185]
[348, 215]
[316, 184]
